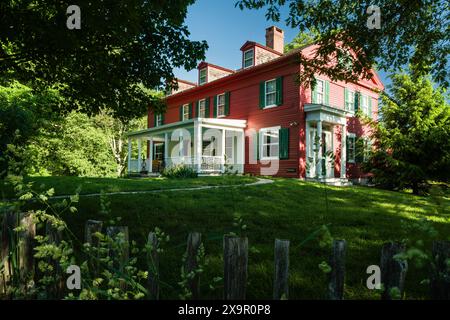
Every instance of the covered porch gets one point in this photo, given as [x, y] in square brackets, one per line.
[325, 152]
[207, 145]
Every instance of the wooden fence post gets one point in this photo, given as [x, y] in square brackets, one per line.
[56, 290]
[393, 271]
[120, 258]
[440, 271]
[153, 266]
[194, 242]
[337, 274]
[92, 227]
[26, 246]
[281, 277]
[235, 256]
[8, 243]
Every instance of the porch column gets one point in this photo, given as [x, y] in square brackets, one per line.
[150, 164]
[129, 155]
[198, 146]
[139, 154]
[307, 148]
[319, 152]
[166, 149]
[343, 151]
[223, 149]
[242, 150]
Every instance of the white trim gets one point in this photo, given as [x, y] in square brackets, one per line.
[265, 94]
[158, 119]
[252, 59]
[277, 128]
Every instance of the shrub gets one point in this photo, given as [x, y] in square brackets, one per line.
[179, 171]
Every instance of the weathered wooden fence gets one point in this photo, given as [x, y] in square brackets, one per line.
[235, 256]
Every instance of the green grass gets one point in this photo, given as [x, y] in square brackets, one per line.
[288, 209]
[69, 185]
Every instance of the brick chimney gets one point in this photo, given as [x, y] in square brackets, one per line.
[275, 39]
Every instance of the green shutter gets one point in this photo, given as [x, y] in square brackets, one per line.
[256, 146]
[162, 118]
[370, 107]
[190, 110]
[262, 94]
[197, 109]
[357, 101]
[181, 113]
[279, 83]
[345, 98]
[284, 143]
[227, 103]
[207, 113]
[215, 107]
[346, 147]
[327, 93]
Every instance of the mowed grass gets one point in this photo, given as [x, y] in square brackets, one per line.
[287, 209]
[69, 185]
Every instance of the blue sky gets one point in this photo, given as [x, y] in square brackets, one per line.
[226, 29]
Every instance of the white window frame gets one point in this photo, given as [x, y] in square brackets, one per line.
[272, 92]
[220, 105]
[200, 82]
[261, 144]
[186, 112]
[158, 120]
[349, 158]
[352, 101]
[322, 93]
[201, 104]
[252, 58]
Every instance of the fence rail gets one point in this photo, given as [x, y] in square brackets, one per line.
[235, 267]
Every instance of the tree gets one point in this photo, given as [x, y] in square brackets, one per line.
[302, 39]
[122, 47]
[411, 32]
[114, 130]
[413, 135]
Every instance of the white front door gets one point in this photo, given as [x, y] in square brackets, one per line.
[327, 154]
[312, 153]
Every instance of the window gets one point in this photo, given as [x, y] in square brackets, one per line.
[202, 78]
[269, 143]
[202, 109]
[367, 149]
[351, 148]
[229, 152]
[248, 58]
[271, 93]
[158, 151]
[221, 105]
[365, 104]
[350, 100]
[209, 146]
[158, 120]
[185, 112]
[319, 92]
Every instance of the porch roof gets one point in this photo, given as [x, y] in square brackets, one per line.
[207, 122]
[316, 112]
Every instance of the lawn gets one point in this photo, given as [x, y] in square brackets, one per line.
[69, 185]
[287, 209]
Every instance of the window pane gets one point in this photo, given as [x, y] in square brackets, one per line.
[221, 110]
[320, 86]
[221, 99]
[248, 54]
[271, 86]
[270, 99]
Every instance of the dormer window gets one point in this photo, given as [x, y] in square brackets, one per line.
[248, 58]
[202, 77]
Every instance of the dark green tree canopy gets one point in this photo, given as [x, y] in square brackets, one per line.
[412, 32]
[122, 47]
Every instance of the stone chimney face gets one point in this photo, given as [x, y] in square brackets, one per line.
[275, 39]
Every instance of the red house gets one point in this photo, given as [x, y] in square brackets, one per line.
[258, 120]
